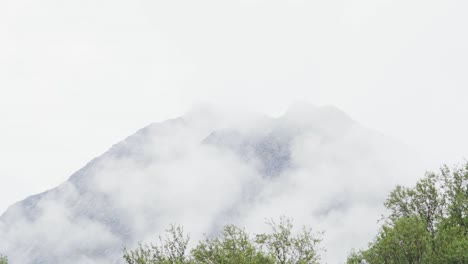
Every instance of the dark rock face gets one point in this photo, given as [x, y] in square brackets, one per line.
[270, 152]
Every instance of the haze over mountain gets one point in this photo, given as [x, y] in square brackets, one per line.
[209, 168]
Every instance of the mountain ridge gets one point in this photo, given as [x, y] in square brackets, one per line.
[152, 177]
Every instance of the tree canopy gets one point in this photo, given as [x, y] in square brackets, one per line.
[3, 259]
[427, 223]
[282, 245]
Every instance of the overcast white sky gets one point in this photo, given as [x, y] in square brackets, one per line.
[78, 76]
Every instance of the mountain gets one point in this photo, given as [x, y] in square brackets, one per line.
[209, 168]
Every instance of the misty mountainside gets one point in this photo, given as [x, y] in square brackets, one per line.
[209, 168]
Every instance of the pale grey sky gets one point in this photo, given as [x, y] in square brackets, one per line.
[78, 76]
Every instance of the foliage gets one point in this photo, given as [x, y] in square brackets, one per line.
[355, 257]
[171, 250]
[233, 246]
[451, 245]
[288, 248]
[407, 241]
[3, 259]
[427, 223]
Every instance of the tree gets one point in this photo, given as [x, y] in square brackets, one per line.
[427, 223]
[355, 257]
[405, 242]
[3, 259]
[171, 250]
[451, 244]
[288, 248]
[455, 188]
[424, 200]
[451, 240]
[233, 246]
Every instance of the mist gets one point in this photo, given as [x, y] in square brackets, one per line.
[213, 167]
[78, 77]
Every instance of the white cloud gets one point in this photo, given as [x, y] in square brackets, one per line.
[75, 78]
[212, 168]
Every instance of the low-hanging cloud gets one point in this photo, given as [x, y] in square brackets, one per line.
[210, 168]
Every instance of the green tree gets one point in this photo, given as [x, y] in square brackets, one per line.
[289, 248]
[172, 249]
[355, 257]
[427, 223]
[405, 242]
[424, 200]
[451, 245]
[233, 247]
[455, 190]
[3, 259]
[451, 240]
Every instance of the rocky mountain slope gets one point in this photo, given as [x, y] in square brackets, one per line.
[209, 168]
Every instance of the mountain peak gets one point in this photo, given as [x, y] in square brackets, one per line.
[169, 172]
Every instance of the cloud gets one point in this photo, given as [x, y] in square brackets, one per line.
[77, 77]
[209, 168]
